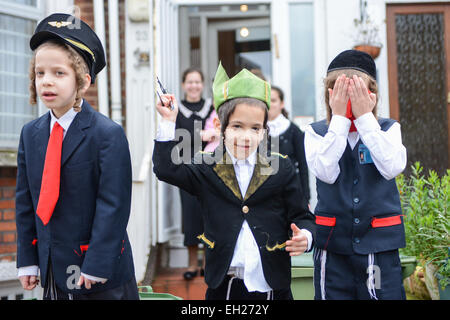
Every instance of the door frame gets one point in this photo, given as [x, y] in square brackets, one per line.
[391, 11]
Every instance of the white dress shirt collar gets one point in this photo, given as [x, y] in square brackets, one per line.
[251, 159]
[278, 126]
[65, 121]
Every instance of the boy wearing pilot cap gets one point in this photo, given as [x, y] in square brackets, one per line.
[255, 215]
[73, 189]
[355, 157]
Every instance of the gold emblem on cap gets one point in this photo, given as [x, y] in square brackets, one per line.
[59, 24]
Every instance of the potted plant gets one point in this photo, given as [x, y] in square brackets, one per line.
[367, 36]
[426, 204]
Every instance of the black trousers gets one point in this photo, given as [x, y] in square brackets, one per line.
[238, 291]
[127, 291]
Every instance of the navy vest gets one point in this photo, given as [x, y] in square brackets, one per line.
[360, 212]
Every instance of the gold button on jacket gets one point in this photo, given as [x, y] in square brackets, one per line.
[245, 209]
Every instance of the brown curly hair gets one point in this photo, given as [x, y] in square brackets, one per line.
[77, 63]
[331, 78]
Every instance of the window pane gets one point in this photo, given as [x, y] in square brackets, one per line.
[15, 55]
[301, 28]
[23, 2]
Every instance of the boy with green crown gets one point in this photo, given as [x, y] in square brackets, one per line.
[255, 215]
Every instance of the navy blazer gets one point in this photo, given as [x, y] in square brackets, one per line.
[87, 231]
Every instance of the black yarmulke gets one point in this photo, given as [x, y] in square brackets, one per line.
[354, 59]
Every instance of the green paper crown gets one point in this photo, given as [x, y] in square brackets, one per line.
[244, 84]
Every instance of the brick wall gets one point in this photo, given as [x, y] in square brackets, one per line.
[8, 246]
[87, 15]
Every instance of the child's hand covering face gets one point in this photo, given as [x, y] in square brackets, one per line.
[355, 90]
[245, 130]
[362, 101]
[338, 96]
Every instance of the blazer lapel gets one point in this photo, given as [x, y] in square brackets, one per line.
[261, 173]
[41, 136]
[225, 170]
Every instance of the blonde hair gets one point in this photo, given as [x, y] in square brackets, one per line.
[77, 63]
[331, 78]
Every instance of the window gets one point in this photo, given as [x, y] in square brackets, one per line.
[18, 20]
[302, 58]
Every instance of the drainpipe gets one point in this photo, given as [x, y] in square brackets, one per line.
[102, 77]
[114, 58]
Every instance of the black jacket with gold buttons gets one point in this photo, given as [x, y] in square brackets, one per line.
[272, 202]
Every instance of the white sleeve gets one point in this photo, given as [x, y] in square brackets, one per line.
[28, 271]
[166, 131]
[386, 148]
[323, 153]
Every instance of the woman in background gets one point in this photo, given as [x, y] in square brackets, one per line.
[192, 115]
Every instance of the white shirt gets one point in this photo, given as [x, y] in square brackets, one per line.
[246, 254]
[278, 125]
[386, 148]
[65, 121]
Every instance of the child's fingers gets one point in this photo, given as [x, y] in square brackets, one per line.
[164, 100]
[298, 240]
[33, 282]
[80, 281]
[362, 84]
[345, 87]
[351, 89]
[340, 87]
[295, 230]
[344, 90]
[296, 249]
[356, 85]
[89, 283]
[361, 87]
[25, 281]
[337, 84]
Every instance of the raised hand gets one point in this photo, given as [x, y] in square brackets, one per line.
[338, 96]
[164, 107]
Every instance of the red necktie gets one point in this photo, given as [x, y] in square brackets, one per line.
[51, 175]
[350, 116]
